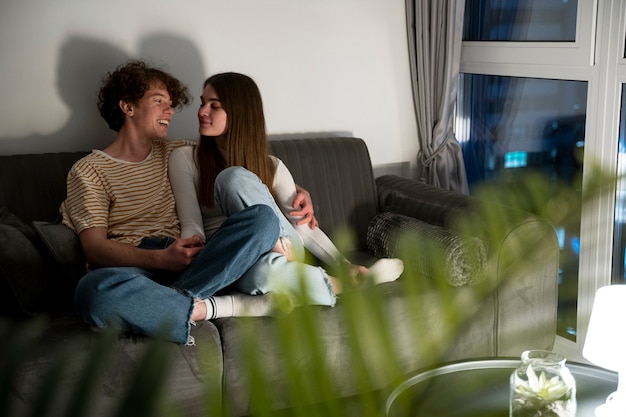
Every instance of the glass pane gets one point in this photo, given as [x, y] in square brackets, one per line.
[509, 125]
[520, 20]
[619, 232]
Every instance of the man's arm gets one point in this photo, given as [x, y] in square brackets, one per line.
[103, 252]
[304, 208]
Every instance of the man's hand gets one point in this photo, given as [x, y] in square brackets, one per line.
[181, 253]
[303, 206]
[101, 252]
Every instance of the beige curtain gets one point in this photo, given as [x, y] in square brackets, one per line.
[435, 31]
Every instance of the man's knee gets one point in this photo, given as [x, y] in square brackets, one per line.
[86, 298]
[261, 225]
[267, 219]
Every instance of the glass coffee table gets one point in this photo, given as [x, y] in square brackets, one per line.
[481, 388]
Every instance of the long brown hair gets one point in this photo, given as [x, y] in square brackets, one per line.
[245, 135]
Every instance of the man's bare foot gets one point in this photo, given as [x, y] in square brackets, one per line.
[199, 311]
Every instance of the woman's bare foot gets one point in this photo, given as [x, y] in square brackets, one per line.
[386, 270]
[285, 248]
[383, 270]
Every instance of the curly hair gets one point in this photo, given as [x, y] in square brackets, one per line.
[129, 82]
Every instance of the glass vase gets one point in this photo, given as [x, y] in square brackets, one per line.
[542, 386]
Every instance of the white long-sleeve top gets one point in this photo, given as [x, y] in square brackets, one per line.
[183, 175]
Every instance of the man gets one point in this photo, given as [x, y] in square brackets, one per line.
[142, 277]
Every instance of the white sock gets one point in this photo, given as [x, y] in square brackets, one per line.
[239, 305]
[219, 306]
[386, 270]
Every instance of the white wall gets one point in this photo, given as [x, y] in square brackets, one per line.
[337, 66]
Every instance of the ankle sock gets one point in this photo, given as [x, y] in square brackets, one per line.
[219, 306]
[239, 305]
[386, 270]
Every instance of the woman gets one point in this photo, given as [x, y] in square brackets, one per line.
[233, 154]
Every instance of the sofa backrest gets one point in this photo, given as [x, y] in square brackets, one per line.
[32, 186]
[337, 171]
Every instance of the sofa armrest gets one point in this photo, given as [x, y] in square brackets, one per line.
[422, 201]
[489, 221]
[522, 265]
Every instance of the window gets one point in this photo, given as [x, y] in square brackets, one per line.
[540, 88]
[515, 20]
[619, 234]
[527, 32]
[513, 125]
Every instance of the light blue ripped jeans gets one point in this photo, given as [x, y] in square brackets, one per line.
[133, 299]
[236, 188]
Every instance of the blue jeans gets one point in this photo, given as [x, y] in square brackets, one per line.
[236, 188]
[133, 298]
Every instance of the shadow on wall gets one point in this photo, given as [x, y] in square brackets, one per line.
[82, 64]
[402, 169]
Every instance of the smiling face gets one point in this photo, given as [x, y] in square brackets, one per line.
[152, 113]
[212, 117]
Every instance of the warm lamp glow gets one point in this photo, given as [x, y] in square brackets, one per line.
[605, 344]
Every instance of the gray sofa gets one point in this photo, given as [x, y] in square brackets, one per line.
[493, 295]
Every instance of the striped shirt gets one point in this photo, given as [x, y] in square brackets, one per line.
[133, 200]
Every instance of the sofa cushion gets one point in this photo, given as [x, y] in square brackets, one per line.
[463, 257]
[64, 248]
[337, 172]
[21, 272]
[59, 356]
[7, 217]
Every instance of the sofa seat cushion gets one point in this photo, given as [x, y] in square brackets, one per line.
[462, 259]
[318, 353]
[68, 360]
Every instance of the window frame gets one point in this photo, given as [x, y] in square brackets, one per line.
[597, 56]
[577, 53]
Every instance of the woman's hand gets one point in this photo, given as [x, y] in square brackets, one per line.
[303, 207]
